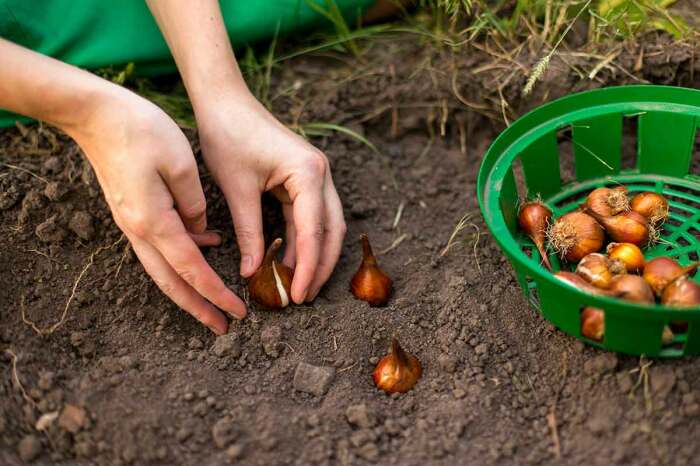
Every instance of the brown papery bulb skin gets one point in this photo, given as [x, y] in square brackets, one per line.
[598, 270]
[593, 323]
[534, 220]
[370, 283]
[662, 271]
[608, 201]
[628, 254]
[627, 227]
[397, 372]
[577, 281]
[632, 288]
[651, 205]
[682, 292]
[271, 284]
[575, 235]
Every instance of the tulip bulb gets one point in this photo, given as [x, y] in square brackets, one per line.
[651, 205]
[608, 201]
[534, 219]
[598, 270]
[577, 281]
[398, 371]
[682, 292]
[271, 284]
[627, 227]
[662, 271]
[575, 235]
[370, 283]
[593, 323]
[627, 253]
[632, 288]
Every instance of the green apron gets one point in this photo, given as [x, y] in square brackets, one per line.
[98, 33]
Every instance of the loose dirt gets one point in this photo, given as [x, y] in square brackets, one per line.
[146, 384]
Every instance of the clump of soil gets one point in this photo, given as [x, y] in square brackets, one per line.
[128, 378]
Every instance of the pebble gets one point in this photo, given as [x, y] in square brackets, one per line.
[447, 362]
[189, 396]
[81, 224]
[195, 343]
[73, 418]
[227, 344]
[29, 448]
[369, 451]
[360, 416]
[481, 349]
[234, 452]
[271, 337]
[54, 190]
[313, 379]
[182, 434]
[223, 432]
[662, 380]
[201, 409]
[250, 389]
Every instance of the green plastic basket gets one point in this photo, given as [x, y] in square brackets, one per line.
[531, 150]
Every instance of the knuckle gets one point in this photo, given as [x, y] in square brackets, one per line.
[317, 164]
[195, 209]
[181, 168]
[137, 221]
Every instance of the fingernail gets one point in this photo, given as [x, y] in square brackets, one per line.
[246, 265]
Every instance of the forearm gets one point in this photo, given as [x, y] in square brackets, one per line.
[40, 87]
[198, 40]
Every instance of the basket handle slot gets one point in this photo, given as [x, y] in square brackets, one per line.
[598, 146]
[540, 161]
[666, 142]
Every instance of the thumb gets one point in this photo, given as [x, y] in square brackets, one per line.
[246, 211]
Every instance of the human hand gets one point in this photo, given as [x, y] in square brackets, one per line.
[149, 175]
[249, 152]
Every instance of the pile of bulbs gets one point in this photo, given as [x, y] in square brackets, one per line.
[622, 272]
[270, 287]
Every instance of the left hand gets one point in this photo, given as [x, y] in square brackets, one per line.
[249, 152]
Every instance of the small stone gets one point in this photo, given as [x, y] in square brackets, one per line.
[358, 415]
[459, 393]
[223, 432]
[81, 224]
[73, 418]
[29, 448]
[195, 343]
[227, 344]
[55, 191]
[313, 379]
[50, 231]
[481, 349]
[662, 380]
[234, 452]
[201, 409]
[600, 364]
[46, 381]
[271, 337]
[182, 434]
[189, 396]
[250, 389]
[447, 362]
[77, 338]
[374, 360]
[369, 451]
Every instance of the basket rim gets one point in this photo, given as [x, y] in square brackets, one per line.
[552, 115]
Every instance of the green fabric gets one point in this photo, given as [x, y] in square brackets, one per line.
[98, 33]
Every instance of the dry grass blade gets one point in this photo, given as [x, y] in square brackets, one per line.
[463, 223]
[15, 377]
[52, 328]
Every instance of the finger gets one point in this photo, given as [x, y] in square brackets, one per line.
[246, 211]
[332, 240]
[308, 222]
[182, 179]
[290, 256]
[208, 238]
[183, 255]
[177, 290]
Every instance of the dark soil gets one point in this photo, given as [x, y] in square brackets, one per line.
[499, 384]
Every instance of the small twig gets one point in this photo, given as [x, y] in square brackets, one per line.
[289, 346]
[393, 245]
[397, 217]
[15, 167]
[347, 368]
[552, 423]
[52, 328]
[41, 253]
[15, 378]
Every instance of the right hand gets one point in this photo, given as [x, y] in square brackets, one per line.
[149, 175]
